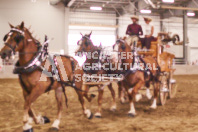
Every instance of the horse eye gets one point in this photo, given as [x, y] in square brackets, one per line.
[18, 38]
[123, 46]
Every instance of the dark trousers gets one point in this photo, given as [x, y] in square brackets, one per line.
[146, 42]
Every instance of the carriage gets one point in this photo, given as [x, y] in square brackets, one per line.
[165, 61]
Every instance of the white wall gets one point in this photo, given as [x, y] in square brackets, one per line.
[44, 18]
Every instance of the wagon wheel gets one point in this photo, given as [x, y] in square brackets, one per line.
[162, 94]
[172, 86]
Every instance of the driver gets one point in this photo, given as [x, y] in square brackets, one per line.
[133, 30]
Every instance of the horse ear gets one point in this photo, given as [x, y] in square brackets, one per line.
[100, 45]
[11, 26]
[81, 34]
[22, 25]
[117, 37]
[90, 34]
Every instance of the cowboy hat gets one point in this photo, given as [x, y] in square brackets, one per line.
[135, 17]
[147, 18]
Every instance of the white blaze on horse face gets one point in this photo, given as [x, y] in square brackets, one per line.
[9, 34]
[56, 123]
[80, 42]
[116, 47]
[154, 105]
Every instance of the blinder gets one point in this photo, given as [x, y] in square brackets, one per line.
[87, 42]
[5, 37]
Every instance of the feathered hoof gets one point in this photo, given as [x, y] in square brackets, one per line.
[46, 120]
[29, 130]
[113, 109]
[93, 95]
[131, 115]
[91, 116]
[53, 129]
[98, 115]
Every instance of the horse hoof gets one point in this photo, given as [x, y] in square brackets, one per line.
[29, 130]
[93, 95]
[46, 120]
[98, 115]
[91, 116]
[53, 129]
[131, 115]
[113, 109]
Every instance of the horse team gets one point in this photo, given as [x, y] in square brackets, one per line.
[33, 58]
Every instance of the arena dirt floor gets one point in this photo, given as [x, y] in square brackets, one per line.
[180, 114]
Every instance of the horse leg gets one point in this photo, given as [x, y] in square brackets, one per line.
[121, 92]
[132, 95]
[156, 91]
[82, 94]
[32, 115]
[89, 98]
[29, 100]
[98, 113]
[58, 94]
[113, 107]
[148, 93]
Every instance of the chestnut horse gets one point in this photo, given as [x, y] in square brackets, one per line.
[138, 76]
[86, 47]
[20, 40]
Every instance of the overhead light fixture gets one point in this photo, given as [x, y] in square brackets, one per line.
[145, 11]
[96, 8]
[190, 14]
[168, 1]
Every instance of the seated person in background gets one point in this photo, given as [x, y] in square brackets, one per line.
[133, 30]
[149, 33]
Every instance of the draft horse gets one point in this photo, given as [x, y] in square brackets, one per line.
[30, 68]
[137, 74]
[86, 47]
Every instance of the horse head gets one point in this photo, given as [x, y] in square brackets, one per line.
[85, 44]
[122, 45]
[15, 40]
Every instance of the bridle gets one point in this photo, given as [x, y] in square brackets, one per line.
[117, 42]
[86, 43]
[18, 38]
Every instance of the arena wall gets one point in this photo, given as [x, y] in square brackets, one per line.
[44, 18]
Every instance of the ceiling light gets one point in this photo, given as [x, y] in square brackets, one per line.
[96, 8]
[169, 1]
[145, 11]
[190, 14]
